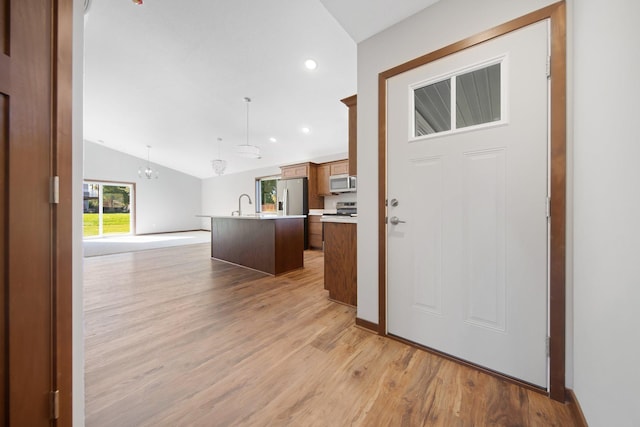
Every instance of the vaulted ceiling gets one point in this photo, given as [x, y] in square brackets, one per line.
[173, 75]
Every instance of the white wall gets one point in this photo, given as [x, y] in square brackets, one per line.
[169, 203]
[607, 211]
[330, 201]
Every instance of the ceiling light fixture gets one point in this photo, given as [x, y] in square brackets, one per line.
[218, 164]
[272, 139]
[248, 150]
[310, 64]
[148, 172]
[306, 130]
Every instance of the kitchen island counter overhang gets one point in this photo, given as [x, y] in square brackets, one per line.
[273, 244]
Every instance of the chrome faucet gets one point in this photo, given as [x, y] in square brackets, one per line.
[240, 203]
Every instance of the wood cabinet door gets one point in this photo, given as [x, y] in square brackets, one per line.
[324, 171]
[315, 232]
[341, 262]
[295, 171]
[35, 235]
[340, 168]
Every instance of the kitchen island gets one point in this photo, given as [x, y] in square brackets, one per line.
[273, 244]
[341, 258]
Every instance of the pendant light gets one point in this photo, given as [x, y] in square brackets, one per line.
[246, 149]
[148, 172]
[218, 164]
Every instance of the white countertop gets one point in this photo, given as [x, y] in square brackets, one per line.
[340, 218]
[254, 216]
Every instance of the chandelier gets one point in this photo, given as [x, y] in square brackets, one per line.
[147, 172]
[218, 164]
[246, 149]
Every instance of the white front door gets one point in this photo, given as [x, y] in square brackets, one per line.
[467, 269]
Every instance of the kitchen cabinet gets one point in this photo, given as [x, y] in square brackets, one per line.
[315, 232]
[352, 103]
[271, 244]
[324, 171]
[339, 168]
[340, 261]
[295, 171]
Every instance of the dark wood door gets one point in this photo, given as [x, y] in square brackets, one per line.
[35, 235]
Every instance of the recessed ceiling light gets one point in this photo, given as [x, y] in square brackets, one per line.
[310, 64]
[272, 139]
[305, 130]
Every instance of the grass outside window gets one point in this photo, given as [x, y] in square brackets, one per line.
[112, 223]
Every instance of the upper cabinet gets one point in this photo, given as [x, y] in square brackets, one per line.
[341, 167]
[351, 102]
[295, 171]
[326, 170]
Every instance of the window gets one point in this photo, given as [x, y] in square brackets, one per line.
[433, 108]
[107, 209]
[476, 96]
[266, 194]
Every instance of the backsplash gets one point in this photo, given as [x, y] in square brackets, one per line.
[330, 201]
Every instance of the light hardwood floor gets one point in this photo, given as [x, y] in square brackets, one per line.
[175, 338]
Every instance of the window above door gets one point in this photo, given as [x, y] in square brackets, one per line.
[475, 93]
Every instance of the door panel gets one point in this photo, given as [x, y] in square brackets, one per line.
[29, 219]
[427, 239]
[467, 270]
[483, 238]
[35, 141]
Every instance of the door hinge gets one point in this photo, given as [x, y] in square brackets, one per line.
[54, 190]
[547, 345]
[548, 202]
[54, 403]
[548, 66]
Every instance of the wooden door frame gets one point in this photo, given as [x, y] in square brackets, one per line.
[62, 222]
[556, 13]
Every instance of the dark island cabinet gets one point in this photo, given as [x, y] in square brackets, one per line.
[340, 261]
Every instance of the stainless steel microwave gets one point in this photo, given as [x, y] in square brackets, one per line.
[342, 183]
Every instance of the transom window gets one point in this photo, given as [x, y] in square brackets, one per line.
[476, 96]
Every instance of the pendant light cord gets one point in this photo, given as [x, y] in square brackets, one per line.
[247, 100]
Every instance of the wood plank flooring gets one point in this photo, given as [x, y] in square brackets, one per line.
[173, 338]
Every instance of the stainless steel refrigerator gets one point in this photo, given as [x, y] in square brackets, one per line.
[292, 197]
